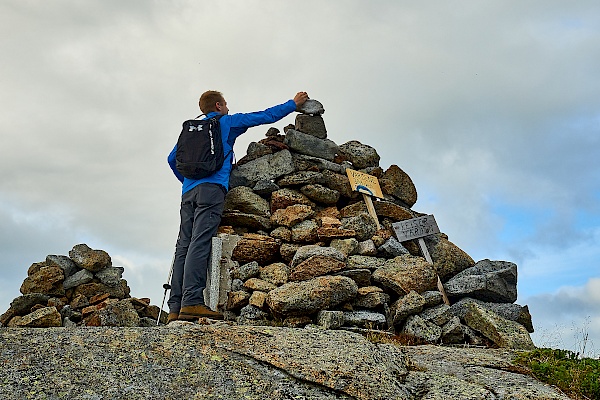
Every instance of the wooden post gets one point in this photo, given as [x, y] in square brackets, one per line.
[440, 286]
[371, 209]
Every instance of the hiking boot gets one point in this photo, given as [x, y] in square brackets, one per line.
[191, 313]
[173, 316]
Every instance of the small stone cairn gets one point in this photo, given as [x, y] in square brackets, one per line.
[83, 289]
[308, 252]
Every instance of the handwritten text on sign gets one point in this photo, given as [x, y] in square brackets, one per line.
[415, 228]
[364, 183]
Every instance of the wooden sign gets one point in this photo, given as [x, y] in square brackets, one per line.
[418, 228]
[364, 183]
[415, 228]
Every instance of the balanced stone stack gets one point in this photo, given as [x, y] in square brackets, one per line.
[83, 289]
[309, 252]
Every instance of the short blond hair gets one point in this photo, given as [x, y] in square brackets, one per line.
[209, 99]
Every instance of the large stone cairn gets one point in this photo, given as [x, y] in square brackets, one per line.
[83, 289]
[310, 253]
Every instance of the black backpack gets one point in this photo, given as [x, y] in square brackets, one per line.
[200, 148]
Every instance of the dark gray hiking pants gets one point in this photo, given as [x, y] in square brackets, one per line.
[201, 209]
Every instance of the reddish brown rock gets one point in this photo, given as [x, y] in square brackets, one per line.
[254, 247]
[288, 197]
[316, 266]
[47, 280]
[397, 183]
[43, 318]
[292, 215]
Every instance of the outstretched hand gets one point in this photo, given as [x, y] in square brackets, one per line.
[300, 98]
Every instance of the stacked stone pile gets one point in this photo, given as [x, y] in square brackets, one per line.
[83, 289]
[309, 252]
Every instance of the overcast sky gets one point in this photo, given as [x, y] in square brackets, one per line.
[492, 108]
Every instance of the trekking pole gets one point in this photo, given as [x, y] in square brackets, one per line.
[166, 286]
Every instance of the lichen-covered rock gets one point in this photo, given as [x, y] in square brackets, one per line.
[405, 273]
[67, 265]
[80, 277]
[363, 224]
[360, 155]
[87, 258]
[305, 232]
[392, 211]
[286, 197]
[510, 311]
[245, 271]
[110, 276]
[502, 332]
[300, 178]
[243, 199]
[405, 306]
[277, 273]
[308, 297]
[364, 319]
[320, 193]
[291, 215]
[22, 305]
[305, 252]
[418, 327]
[338, 182]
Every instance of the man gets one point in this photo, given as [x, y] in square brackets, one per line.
[202, 205]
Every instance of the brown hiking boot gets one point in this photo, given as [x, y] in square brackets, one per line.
[173, 316]
[191, 313]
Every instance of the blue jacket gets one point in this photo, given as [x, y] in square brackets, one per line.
[233, 126]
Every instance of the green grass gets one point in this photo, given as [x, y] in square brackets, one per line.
[577, 377]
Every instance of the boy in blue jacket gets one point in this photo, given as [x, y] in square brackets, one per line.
[202, 205]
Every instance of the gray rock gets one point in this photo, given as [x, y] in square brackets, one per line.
[363, 224]
[364, 319]
[246, 271]
[67, 265]
[320, 163]
[79, 278]
[243, 199]
[432, 298]
[391, 248]
[320, 193]
[310, 145]
[252, 312]
[312, 107]
[312, 125]
[305, 232]
[418, 327]
[360, 262]
[330, 319]
[22, 305]
[493, 281]
[268, 167]
[405, 306]
[300, 178]
[448, 259]
[439, 315]
[110, 276]
[370, 297]
[360, 155]
[362, 277]
[267, 363]
[239, 219]
[237, 285]
[265, 187]
[453, 332]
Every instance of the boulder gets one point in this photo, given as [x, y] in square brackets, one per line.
[510, 311]
[360, 155]
[311, 107]
[110, 276]
[87, 258]
[418, 327]
[493, 281]
[364, 319]
[320, 193]
[330, 319]
[291, 215]
[67, 265]
[308, 297]
[504, 333]
[45, 317]
[405, 306]
[265, 168]
[308, 251]
[398, 184]
[277, 273]
[363, 224]
[448, 258]
[338, 182]
[245, 200]
[22, 305]
[81, 277]
[310, 145]
[405, 273]
[305, 232]
[239, 219]
[312, 125]
[48, 280]
[286, 197]
[300, 178]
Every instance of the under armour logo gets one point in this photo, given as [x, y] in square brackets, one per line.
[195, 128]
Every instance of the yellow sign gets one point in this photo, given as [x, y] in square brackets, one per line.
[364, 183]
